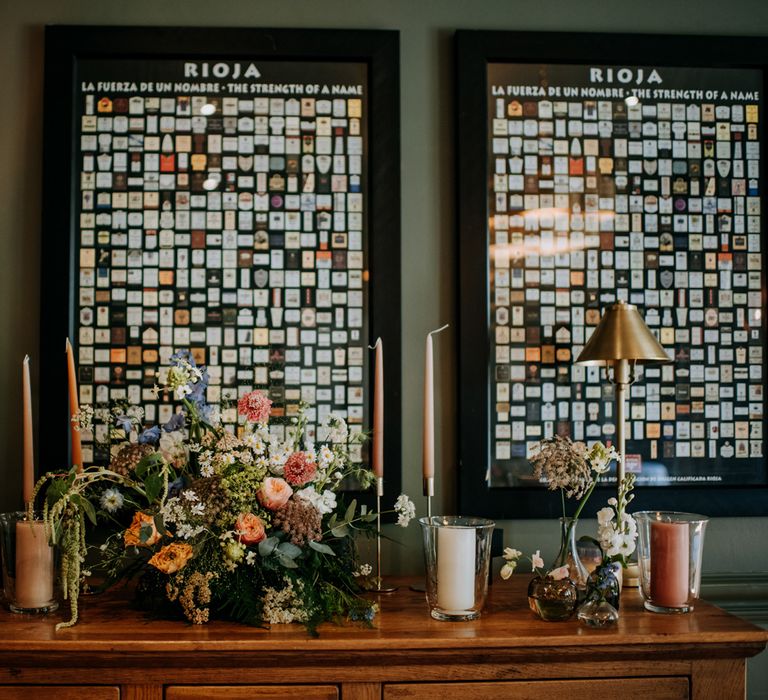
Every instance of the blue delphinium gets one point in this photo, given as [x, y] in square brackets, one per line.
[150, 436]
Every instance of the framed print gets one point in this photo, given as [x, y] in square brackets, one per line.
[598, 168]
[231, 192]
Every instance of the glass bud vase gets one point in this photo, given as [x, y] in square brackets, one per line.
[552, 600]
[569, 555]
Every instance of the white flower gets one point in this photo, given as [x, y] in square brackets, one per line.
[182, 391]
[559, 574]
[324, 502]
[250, 558]
[612, 501]
[627, 545]
[337, 428]
[405, 509]
[326, 456]
[189, 495]
[364, 570]
[206, 470]
[536, 561]
[605, 515]
[507, 570]
[512, 554]
[112, 500]
[198, 509]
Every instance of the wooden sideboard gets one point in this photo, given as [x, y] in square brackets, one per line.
[116, 653]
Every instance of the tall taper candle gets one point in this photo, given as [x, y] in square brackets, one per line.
[428, 448]
[29, 453]
[428, 453]
[377, 448]
[77, 450]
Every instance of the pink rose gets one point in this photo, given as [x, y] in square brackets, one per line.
[274, 493]
[250, 528]
[255, 406]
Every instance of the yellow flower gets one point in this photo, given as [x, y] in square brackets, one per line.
[132, 536]
[172, 558]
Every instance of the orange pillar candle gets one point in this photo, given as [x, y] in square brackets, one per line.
[28, 479]
[377, 448]
[77, 450]
[34, 566]
[670, 566]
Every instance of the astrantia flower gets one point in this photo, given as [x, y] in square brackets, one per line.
[255, 406]
[405, 509]
[299, 469]
[112, 500]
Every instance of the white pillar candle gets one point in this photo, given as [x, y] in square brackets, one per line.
[455, 569]
[34, 565]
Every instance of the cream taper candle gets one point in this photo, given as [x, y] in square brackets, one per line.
[377, 447]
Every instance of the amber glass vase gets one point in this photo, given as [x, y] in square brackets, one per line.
[552, 600]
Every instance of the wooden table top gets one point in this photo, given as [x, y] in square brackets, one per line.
[108, 624]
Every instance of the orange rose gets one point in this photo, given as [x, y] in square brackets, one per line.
[172, 558]
[250, 528]
[274, 493]
[132, 536]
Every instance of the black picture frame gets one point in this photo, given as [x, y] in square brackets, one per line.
[474, 51]
[66, 46]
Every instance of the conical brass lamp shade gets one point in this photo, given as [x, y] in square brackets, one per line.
[622, 335]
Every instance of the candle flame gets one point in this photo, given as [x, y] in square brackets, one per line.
[376, 344]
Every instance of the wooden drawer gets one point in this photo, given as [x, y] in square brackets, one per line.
[59, 692]
[251, 692]
[670, 688]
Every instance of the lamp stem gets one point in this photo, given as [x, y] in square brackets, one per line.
[622, 379]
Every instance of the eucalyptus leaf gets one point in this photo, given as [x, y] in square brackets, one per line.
[289, 549]
[320, 547]
[349, 516]
[267, 546]
[286, 561]
[340, 531]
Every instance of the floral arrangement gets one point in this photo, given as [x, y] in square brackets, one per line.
[574, 470]
[617, 529]
[251, 526]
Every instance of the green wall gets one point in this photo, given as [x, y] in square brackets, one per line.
[426, 27]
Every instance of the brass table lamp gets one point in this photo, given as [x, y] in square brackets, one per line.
[621, 341]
